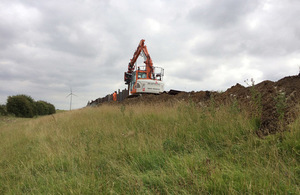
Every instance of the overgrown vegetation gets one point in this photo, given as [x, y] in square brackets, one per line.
[148, 149]
[44, 108]
[256, 104]
[280, 100]
[3, 111]
[25, 106]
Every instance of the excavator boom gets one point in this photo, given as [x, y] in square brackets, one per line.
[135, 78]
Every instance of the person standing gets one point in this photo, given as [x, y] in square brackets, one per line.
[115, 96]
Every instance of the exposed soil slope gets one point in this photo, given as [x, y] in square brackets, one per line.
[274, 103]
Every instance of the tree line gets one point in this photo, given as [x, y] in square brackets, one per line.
[25, 106]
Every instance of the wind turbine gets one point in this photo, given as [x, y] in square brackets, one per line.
[71, 95]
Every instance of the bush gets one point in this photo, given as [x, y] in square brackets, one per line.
[21, 106]
[3, 111]
[44, 108]
[25, 106]
[51, 108]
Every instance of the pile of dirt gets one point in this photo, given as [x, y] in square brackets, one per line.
[274, 103]
[278, 100]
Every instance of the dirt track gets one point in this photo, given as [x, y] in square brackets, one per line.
[273, 103]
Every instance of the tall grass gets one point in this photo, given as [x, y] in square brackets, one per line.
[147, 149]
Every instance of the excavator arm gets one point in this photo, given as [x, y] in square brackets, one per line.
[143, 79]
[148, 62]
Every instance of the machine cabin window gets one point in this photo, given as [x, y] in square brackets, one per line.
[142, 75]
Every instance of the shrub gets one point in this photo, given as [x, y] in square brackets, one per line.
[42, 107]
[3, 111]
[25, 106]
[51, 108]
[21, 106]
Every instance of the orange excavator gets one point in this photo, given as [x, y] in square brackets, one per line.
[143, 79]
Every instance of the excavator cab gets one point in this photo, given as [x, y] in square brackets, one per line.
[141, 84]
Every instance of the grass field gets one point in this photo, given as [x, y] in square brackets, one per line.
[147, 149]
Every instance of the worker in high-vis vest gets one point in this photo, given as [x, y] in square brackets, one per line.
[115, 96]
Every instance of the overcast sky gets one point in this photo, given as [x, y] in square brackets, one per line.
[46, 47]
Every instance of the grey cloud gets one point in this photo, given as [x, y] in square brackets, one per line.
[222, 45]
[275, 34]
[222, 14]
[195, 71]
[6, 36]
[88, 44]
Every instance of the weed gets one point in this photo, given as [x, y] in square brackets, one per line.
[280, 105]
[122, 109]
[212, 104]
[256, 103]
[172, 146]
[234, 106]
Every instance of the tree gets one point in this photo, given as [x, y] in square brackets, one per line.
[25, 106]
[21, 106]
[42, 107]
[51, 109]
[3, 111]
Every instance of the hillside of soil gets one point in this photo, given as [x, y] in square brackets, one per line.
[274, 104]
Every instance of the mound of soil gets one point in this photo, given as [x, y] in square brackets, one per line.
[273, 103]
[278, 100]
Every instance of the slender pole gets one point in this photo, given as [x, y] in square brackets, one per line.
[71, 97]
[71, 101]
